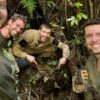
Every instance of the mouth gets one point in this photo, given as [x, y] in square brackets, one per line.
[44, 38]
[95, 45]
[14, 33]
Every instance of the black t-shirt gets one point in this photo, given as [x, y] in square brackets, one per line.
[5, 43]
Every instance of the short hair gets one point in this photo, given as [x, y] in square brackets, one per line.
[19, 16]
[46, 25]
[93, 21]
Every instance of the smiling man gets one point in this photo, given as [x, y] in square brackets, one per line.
[38, 42]
[92, 34]
[14, 27]
[92, 39]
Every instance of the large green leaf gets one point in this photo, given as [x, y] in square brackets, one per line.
[29, 5]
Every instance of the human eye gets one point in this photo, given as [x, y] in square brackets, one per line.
[98, 34]
[3, 5]
[88, 35]
[21, 30]
[17, 25]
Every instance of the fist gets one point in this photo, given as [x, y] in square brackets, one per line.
[82, 76]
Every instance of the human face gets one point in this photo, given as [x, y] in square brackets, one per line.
[16, 27]
[44, 34]
[3, 12]
[3, 3]
[92, 34]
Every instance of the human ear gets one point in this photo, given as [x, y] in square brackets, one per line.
[10, 22]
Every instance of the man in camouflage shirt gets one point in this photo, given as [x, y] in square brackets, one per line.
[91, 78]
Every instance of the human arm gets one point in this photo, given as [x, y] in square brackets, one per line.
[19, 53]
[22, 44]
[65, 52]
[31, 59]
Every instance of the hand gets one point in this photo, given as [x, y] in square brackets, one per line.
[82, 76]
[62, 61]
[31, 59]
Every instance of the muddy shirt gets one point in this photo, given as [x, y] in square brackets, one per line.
[29, 44]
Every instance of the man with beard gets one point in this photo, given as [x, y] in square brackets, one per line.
[14, 27]
[38, 42]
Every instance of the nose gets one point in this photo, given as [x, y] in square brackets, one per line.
[18, 29]
[94, 38]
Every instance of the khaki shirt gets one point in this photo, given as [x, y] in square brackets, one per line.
[28, 44]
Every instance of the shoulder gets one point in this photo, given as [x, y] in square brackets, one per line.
[30, 32]
[2, 39]
[54, 41]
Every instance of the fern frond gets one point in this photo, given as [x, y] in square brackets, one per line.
[29, 5]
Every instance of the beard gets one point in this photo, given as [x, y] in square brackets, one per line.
[13, 33]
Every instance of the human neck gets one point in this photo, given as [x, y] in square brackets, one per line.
[5, 32]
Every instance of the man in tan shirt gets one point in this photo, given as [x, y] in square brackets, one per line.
[38, 42]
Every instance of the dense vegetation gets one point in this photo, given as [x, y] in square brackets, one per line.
[70, 15]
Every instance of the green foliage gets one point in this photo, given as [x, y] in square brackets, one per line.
[81, 15]
[54, 62]
[77, 40]
[29, 5]
[68, 0]
[74, 20]
[50, 3]
[78, 4]
[53, 24]
[65, 75]
[34, 78]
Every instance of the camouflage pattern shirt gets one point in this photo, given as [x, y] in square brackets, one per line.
[94, 76]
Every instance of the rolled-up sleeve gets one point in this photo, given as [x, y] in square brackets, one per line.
[65, 49]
